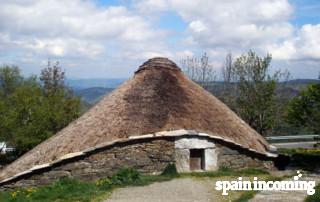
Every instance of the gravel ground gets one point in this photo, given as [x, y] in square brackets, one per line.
[177, 190]
[201, 190]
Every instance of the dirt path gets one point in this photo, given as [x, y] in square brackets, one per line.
[177, 190]
[200, 190]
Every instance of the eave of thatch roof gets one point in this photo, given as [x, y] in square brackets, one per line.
[176, 133]
[158, 98]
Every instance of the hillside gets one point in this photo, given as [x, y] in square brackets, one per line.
[89, 83]
[92, 90]
[93, 94]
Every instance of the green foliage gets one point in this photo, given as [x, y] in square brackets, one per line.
[315, 197]
[63, 190]
[105, 183]
[304, 110]
[307, 159]
[246, 196]
[10, 78]
[29, 113]
[299, 151]
[66, 189]
[72, 190]
[256, 91]
[170, 170]
[126, 176]
[224, 171]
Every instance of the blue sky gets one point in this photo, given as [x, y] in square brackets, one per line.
[111, 38]
[307, 12]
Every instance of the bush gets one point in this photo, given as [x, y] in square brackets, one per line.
[104, 183]
[246, 196]
[170, 170]
[315, 197]
[126, 176]
[307, 159]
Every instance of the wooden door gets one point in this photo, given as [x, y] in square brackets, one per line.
[196, 159]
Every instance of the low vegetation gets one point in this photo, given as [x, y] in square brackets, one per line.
[315, 197]
[307, 159]
[246, 196]
[227, 172]
[300, 151]
[33, 109]
[73, 190]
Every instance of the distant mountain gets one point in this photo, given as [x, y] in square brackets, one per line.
[77, 84]
[303, 81]
[287, 92]
[92, 95]
[92, 90]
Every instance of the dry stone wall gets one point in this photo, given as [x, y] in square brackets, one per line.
[238, 159]
[149, 155]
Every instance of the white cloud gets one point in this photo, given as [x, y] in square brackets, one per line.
[184, 54]
[76, 29]
[79, 32]
[233, 23]
[304, 46]
[218, 26]
[197, 26]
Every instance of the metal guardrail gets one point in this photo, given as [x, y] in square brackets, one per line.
[295, 141]
[293, 138]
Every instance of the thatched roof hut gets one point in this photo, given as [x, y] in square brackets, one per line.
[159, 97]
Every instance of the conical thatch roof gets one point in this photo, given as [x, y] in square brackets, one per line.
[158, 98]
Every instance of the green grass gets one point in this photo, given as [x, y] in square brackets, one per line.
[246, 196]
[62, 190]
[170, 171]
[226, 172]
[315, 197]
[69, 190]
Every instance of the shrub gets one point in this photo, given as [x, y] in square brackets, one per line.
[170, 170]
[105, 183]
[126, 176]
[246, 196]
[315, 197]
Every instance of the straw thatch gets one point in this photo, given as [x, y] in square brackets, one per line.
[158, 98]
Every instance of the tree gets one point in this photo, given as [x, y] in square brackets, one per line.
[52, 78]
[199, 70]
[227, 69]
[304, 110]
[228, 93]
[62, 105]
[256, 91]
[10, 78]
[27, 117]
[32, 111]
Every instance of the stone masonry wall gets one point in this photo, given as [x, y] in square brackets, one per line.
[146, 157]
[235, 159]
